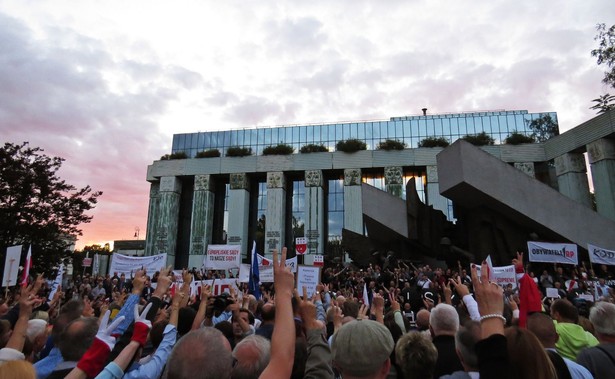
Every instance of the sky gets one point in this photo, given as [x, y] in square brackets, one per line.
[105, 84]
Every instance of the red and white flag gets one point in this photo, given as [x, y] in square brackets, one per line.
[319, 260]
[26, 268]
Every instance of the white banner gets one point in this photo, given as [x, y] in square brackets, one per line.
[96, 264]
[219, 286]
[598, 255]
[11, 265]
[308, 277]
[503, 275]
[553, 252]
[57, 282]
[222, 257]
[125, 264]
[265, 269]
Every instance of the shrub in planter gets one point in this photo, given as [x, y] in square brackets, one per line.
[391, 144]
[350, 145]
[236, 151]
[213, 153]
[480, 139]
[516, 138]
[434, 142]
[178, 155]
[313, 148]
[280, 149]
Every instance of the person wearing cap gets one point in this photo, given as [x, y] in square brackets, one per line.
[362, 349]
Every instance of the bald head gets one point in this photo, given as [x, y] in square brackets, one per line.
[422, 319]
[205, 351]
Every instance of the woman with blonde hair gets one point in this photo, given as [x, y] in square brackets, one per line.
[19, 369]
[528, 358]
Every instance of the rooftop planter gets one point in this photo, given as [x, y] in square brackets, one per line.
[280, 149]
[213, 153]
[434, 142]
[391, 144]
[236, 151]
[351, 145]
[480, 139]
[313, 148]
[516, 138]
[178, 155]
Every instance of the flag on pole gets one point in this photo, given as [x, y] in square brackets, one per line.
[26, 268]
[254, 282]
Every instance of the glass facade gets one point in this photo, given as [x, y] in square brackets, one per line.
[409, 129]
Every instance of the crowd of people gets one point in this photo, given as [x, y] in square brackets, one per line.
[386, 320]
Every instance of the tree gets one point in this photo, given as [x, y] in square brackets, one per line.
[516, 138]
[604, 103]
[480, 139]
[543, 128]
[37, 207]
[605, 53]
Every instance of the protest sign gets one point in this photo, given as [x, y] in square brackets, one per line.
[11, 265]
[598, 255]
[265, 269]
[57, 282]
[308, 277]
[553, 252]
[219, 286]
[127, 265]
[222, 257]
[552, 293]
[503, 275]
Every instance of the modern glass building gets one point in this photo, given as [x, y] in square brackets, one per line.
[274, 199]
[408, 129]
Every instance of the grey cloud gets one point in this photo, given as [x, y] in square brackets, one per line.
[252, 111]
[302, 34]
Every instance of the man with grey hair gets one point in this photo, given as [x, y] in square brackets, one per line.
[193, 354]
[252, 355]
[465, 340]
[600, 360]
[443, 324]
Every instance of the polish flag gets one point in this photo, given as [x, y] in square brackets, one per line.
[26, 268]
[263, 261]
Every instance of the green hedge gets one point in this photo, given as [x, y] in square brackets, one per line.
[313, 148]
[516, 138]
[280, 149]
[236, 151]
[434, 142]
[350, 145]
[391, 144]
[213, 153]
[179, 155]
[480, 139]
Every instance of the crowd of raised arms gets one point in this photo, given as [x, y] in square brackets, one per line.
[392, 320]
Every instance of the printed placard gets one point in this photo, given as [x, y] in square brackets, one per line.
[565, 253]
[308, 277]
[222, 257]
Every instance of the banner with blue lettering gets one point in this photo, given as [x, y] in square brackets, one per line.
[598, 255]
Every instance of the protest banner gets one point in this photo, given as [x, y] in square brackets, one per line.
[222, 257]
[552, 293]
[125, 264]
[598, 255]
[308, 277]
[219, 286]
[11, 265]
[503, 275]
[265, 269]
[553, 252]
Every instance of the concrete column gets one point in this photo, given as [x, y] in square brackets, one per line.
[433, 191]
[276, 212]
[572, 177]
[202, 219]
[526, 167]
[152, 219]
[314, 215]
[238, 211]
[353, 204]
[602, 159]
[166, 233]
[394, 180]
